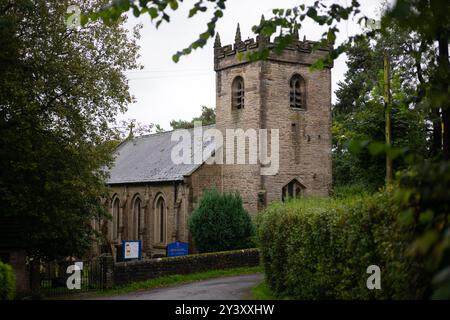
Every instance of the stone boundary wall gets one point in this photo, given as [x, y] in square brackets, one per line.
[133, 271]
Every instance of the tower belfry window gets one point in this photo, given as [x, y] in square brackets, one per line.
[297, 92]
[238, 93]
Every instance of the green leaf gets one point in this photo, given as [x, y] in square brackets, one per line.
[84, 20]
[192, 12]
[424, 243]
[331, 36]
[356, 146]
[173, 4]
[153, 12]
[136, 11]
[376, 148]
[441, 283]
[426, 217]
[406, 217]
[204, 36]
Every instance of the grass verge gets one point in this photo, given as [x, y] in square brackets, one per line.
[167, 281]
[262, 292]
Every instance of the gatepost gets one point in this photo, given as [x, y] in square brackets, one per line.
[108, 271]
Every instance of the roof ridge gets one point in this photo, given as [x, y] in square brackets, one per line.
[173, 130]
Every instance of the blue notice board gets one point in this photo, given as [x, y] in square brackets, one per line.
[176, 249]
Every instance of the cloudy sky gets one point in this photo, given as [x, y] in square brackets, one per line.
[165, 90]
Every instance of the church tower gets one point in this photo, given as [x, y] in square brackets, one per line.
[276, 94]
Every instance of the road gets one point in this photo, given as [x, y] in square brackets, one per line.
[225, 288]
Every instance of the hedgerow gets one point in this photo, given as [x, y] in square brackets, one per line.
[321, 248]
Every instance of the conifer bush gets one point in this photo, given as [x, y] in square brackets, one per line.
[220, 223]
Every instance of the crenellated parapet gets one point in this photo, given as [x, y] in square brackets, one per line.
[298, 51]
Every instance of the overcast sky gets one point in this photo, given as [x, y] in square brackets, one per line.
[165, 90]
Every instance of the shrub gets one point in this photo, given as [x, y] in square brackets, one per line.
[425, 190]
[220, 223]
[321, 248]
[7, 282]
[345, 191]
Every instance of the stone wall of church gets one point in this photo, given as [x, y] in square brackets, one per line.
[244, 178]
[304, 143]
[175, 196]
[180, 199]
[304, 134]
[206, 177]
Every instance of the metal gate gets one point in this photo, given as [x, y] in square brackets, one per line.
[54, 277]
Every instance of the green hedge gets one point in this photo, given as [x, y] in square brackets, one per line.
[7, 282]
[321, 248]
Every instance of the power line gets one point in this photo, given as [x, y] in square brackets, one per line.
[168, 71]
[170, 76]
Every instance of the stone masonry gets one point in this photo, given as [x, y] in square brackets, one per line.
[305, 135]
[304, 146]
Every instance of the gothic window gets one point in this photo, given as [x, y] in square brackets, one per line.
[160, 210]
[297, 92]
[293, 189]
[116, 219]
[137, 217]
[238, 93]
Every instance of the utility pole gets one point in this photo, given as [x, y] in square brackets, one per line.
[387, 114]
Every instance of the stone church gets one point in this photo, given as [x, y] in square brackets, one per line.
[151, 198]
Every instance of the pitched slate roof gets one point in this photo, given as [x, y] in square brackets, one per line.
[148, 159]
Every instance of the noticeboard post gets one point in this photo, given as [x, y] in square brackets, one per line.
[176, 249]
[132, 249]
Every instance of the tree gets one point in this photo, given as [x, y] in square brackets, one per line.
[387, 112]
[220, 223]
[430, 19]
[359, 113]
[60, 88]
[207, 117]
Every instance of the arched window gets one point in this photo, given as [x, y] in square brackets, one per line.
[116, 219]
[160, 215]
[297, 92]
[237, 90]
[137, 217]
[293, 189]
